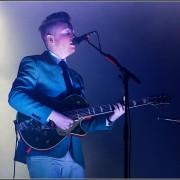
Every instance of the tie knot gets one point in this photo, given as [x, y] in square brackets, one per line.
[62, 64]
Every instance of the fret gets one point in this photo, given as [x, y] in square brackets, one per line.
[134, 103]
[93, 110]
[96, 110]
[110, 107]
[144, 101]
[89, 111]
[101, 109]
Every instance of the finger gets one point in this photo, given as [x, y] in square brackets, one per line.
[70, 121]
[70, 124]
[115, 106]
[120, 106]
[123, 107]
[67, 126]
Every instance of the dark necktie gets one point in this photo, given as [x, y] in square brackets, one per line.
[66, 76]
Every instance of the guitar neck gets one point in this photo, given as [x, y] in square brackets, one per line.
[103, 109]
[87, 112]
[157, 100]
[140, 102]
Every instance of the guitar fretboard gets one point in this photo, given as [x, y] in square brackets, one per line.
[86, 112]
[141, 102]
[103, 109]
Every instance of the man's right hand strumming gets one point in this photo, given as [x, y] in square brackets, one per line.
[60, 120]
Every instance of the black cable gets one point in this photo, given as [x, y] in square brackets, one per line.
[14, 173]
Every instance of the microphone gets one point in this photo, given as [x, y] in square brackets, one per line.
[78, 40]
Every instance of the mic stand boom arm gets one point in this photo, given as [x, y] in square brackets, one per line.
[125, 77]
[115, 62]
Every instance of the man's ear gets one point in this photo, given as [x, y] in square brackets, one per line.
[50, 38]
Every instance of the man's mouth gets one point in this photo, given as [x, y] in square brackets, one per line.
[72, 45]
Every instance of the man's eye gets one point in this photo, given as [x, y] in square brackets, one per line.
[66, 33]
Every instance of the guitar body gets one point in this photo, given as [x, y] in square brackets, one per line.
[44, 137]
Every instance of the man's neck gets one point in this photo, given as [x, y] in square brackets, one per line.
[56, 58]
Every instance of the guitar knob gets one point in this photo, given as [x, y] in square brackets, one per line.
[47, 142]
[78, 102]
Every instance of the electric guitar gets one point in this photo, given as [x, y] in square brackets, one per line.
[44, 137]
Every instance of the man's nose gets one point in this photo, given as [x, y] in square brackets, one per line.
[72, 36]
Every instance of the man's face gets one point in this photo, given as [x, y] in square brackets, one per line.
[62, 35]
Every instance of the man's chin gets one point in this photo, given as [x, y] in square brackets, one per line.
[72, 51]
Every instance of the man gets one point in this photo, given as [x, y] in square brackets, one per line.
[41, 78]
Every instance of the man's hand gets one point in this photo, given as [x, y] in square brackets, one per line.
[118, 111]
[60, 120]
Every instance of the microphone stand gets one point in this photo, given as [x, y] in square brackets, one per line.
[126, 74]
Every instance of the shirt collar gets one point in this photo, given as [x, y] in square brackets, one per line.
[56, 58]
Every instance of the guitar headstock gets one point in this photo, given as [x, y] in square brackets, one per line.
[158, 100]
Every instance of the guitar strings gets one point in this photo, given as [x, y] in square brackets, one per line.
[80, 113]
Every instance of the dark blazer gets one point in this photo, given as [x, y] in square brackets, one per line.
[39, 77]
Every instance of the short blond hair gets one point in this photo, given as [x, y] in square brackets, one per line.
[52, 20]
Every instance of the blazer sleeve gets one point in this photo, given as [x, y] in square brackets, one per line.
[21, 94]
[97, 123]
